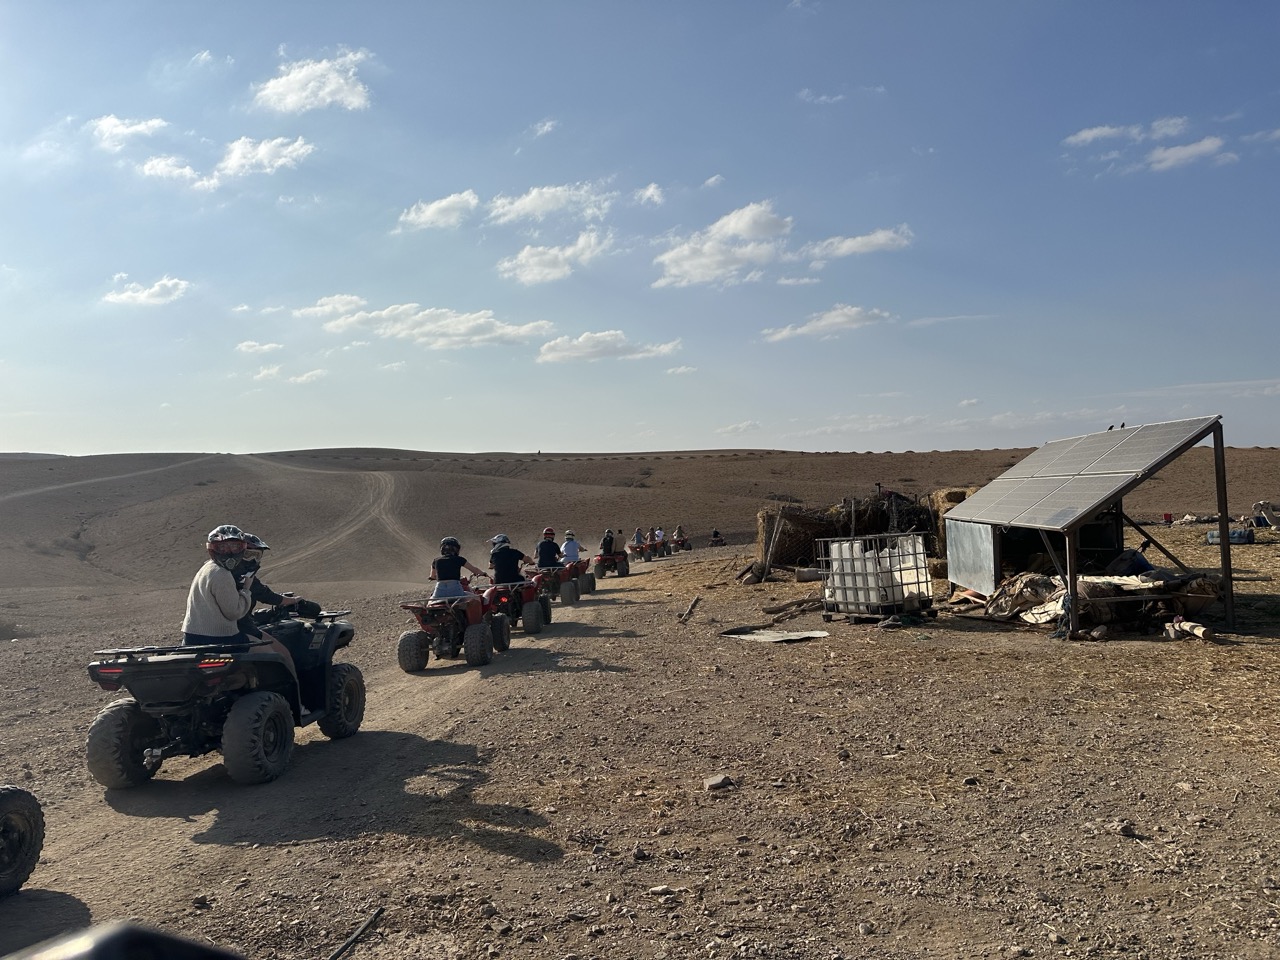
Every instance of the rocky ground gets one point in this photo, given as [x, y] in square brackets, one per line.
[626, 785]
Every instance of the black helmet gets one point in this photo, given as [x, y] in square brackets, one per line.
[501, 540]
[226, 545]
[450, 546]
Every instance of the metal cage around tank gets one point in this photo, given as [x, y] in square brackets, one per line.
[877, 575]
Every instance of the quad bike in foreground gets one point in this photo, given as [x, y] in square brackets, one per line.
[243, 698]
[21, 837]
[449, 626]
[611, 563]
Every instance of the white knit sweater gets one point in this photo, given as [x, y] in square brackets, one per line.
[214, 603]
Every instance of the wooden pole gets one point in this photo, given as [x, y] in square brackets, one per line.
[1224, 526]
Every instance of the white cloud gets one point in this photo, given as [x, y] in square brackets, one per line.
[1166, 158]
[112, 133]
[267, 373]
[864, 423]
[808, 96]
[713, 181]
[332, 306]
[1160, 129]
[165, 290]
[246, 156]
[446, 212]
[681, 371]
[253, 346]
[797, 281]
[954, 318]
[544, 127]
[311, 376]
[742, 240]
[314, 84]
[971, 402]
[1262, 136]
[438, 328]
[885, 239]
[828, 324]
[1167, 127]
[167, 168]
[394, 366]
[545, 264]
[746, 426]
[584, 200]
[608, 344]
[651, 194]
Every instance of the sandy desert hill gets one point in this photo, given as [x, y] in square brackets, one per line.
[377, 515]
[957, 789]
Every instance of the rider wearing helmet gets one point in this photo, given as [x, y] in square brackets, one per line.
[606, 543]
[548, 550]
[218, 598]
[506, 560]
[571, 547]
[447, 568]
[259, 592]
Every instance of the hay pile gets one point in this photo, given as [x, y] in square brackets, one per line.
[785, 534]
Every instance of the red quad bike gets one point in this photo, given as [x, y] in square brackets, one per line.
[518, 602]
[555, 583]
[21, 837]
[681, 543]
[642, 550]
[583, 576]
[452, 625]
[243, 699]
[611, 562]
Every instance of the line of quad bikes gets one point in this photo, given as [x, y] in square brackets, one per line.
[246, 699]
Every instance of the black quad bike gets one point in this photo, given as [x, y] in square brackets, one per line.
[449, 626]
[21, 837]
[241, 698]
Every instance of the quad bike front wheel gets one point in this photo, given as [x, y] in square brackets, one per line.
[257, 739]
[21, 837]
[477, 642]
[599, 571]
[118, 737]
[569, 592]
[344, 706]
[501, 627]
[531, 617]
[545, 601]
[412, 651]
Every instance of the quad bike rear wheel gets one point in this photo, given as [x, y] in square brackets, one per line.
[624, 568]
[257, 739]
[590, 580]
[501, 627]
[477, 641]
[344, 711]
[117, 738]
[21, 837]
[531, 617]
[569, 592]
[413, 650]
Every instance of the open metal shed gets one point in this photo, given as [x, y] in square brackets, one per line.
[1068, 496]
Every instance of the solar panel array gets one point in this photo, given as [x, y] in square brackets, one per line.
[1067, 481]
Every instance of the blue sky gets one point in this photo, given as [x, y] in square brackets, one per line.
[611, 226]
